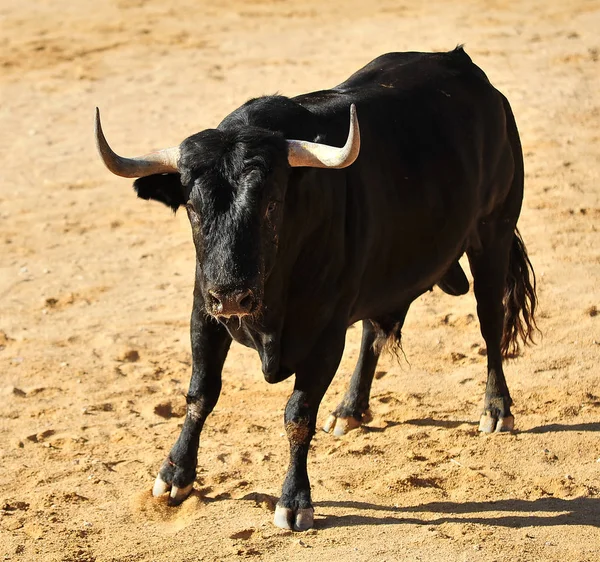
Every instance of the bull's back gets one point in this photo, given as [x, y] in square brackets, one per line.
[434, 159]
[409, 70]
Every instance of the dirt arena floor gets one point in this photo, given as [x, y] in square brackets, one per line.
[96, 291]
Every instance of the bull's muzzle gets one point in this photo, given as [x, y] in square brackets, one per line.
[238, 302]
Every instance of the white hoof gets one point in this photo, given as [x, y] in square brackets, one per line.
[489, 424]
[342, 426]
[179, 494]
[286, 518]
[283, 517]
[305, 519]
[160, 487]
[345, 425]
[329, 424]
[505, 424]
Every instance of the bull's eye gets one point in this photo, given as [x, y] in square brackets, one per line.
[271, 208]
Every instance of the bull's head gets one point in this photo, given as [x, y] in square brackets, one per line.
[233, 185]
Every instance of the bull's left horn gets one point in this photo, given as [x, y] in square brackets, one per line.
[159, 162]
[315, 155]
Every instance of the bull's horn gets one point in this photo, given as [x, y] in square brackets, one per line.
[315, 155]
[159, 162]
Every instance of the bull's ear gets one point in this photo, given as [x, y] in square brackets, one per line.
[165, 188]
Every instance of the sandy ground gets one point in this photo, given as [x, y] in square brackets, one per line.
[96, 287]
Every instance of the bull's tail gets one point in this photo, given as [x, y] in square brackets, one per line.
[520, 299]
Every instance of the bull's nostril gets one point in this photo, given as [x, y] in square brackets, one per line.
[215, 300]
[247, 302]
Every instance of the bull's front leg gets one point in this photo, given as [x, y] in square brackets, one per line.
[294, 509]
[210, 344]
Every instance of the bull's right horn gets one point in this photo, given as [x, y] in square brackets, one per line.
[159, 162]
[316, 155]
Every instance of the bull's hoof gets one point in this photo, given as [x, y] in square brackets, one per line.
[160, 487]
[172, 479]
[491, 424]
[340, 425]
[176, 496]
[294, 520]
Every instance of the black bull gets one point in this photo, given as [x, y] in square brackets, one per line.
[290, 253]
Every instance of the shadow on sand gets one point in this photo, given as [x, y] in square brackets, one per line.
[555, 427]
[451, 424]
[448, 424]
[542, 512]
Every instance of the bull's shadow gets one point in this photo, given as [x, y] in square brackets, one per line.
[550, 428]
[446, 424]
[543, 512]
[555, 427]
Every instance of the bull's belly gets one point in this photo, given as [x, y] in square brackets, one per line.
[396, 288]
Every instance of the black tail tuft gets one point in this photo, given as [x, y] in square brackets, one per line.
[520, 300]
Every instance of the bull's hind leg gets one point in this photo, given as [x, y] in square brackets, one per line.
[354, 408]
[489, 267]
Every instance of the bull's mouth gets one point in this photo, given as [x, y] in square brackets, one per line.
[238, 319]
[238, 315]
